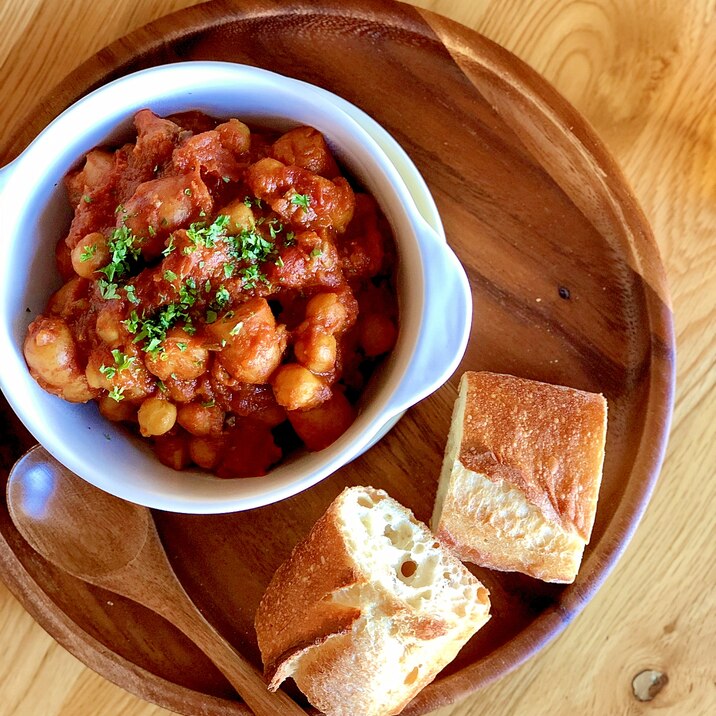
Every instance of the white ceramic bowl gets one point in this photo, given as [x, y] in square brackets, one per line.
[434, 296]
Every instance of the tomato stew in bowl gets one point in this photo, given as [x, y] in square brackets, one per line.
[433, 293]
[227, 292]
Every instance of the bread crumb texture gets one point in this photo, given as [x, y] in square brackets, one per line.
[368, 609]
[520, 479]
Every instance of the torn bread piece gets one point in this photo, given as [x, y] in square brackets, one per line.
[367, 609]
[520, 479]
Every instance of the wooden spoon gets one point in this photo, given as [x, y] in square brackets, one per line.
[114, 544]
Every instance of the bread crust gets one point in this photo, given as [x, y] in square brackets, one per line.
[521, 476]
[546, 440]
[296, 611]
[340, 632]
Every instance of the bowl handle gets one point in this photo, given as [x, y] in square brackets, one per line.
[444, 327]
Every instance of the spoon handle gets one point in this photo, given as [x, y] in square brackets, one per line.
[247, 681]
[151, 581]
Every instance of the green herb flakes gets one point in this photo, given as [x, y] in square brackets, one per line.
[88, 252]
[116, 394]
[302, 200]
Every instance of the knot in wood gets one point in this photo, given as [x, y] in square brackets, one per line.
[648, 683]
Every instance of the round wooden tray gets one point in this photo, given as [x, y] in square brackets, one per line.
[568, 288]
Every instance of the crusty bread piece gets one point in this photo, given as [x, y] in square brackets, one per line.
[367, 609]
[520, 479]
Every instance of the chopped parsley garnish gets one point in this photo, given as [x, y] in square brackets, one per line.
[108, 371]
[250, 246]
[226, 180]
[121, 362]
[187, 293]
[87, 199]
[279, 262]
[275, 228]
[187, 191]
[161, 386]
[201, 234]
[152, 231]
[132, 323]
[208, 403]
[123, 252]
[207, 286]
[211, 316]
[182, 346]
[153, 329]
[88, 252]
[131, 294]
[116, 394]
[170, 275]
[120, 207]
[302, 200]
[107, 290]
[289, 239]
[222, 296]
[251, 276]
[228, 270]
[316, 252]
[170, 246]
[248, 201]
[236, 328]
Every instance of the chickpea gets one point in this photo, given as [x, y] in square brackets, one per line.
[206, 452]
[97, 168]
[156, 416]
[316, 351]
[117, 412]
[109, 326]
[51, 355]
[172, 450]
[70, 299]
[377, 334]
[240, 216]
[183, 357]
[305, 147]
[319, 427]
[200, 420]
[95, 379]
[327, 310]
[296, 388]
[253, 343]
[90, 255]
[235, 136]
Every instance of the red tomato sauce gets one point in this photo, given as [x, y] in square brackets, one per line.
[228, 292]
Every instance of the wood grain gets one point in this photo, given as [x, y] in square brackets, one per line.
[639, 72]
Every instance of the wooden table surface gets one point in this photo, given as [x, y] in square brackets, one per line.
[642, 72]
